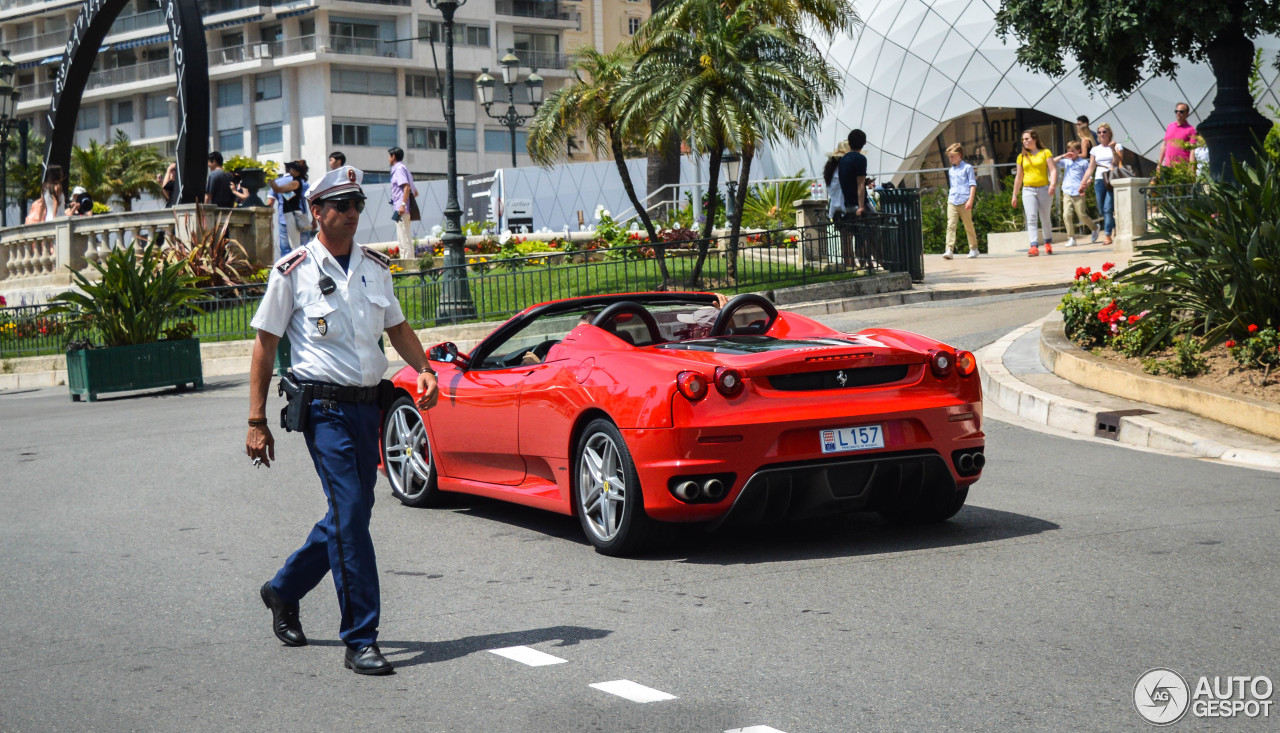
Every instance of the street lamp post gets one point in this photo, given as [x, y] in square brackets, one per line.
[455, 295]
[8, 117]
[730, 162]
[511, 118]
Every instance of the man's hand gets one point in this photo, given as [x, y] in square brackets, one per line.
[260, 445]
[721, 300]
[428, 390]
[860, 211]
[968, 205]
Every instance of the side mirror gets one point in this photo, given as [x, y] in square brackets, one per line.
[446, 352]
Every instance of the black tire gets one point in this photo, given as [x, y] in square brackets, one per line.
[931, 508]
[611, 513]
[403, 445]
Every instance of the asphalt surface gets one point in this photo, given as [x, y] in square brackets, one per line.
[135, 535]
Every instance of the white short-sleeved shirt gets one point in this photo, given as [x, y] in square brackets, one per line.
[334, 337]
[1104, 157]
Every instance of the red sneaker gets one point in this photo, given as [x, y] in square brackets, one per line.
[1034, 251]
[1048, 248]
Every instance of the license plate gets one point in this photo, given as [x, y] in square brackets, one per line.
[841, 440]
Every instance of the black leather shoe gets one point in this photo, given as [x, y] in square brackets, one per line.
[284, 618]
[367, 660]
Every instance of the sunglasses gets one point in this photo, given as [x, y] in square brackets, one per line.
[341, 205]
[1182, 111]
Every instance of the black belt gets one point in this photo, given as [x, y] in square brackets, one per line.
[336, 393]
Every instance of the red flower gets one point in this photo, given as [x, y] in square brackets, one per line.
[1230, 344]
[1253, 327]
[1081, 272]
[1095, 277]
[1106, 266]
[1133, 319]
[3, 302]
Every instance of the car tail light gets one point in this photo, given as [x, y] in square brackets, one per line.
[941, 362]
[728, 381]
[966, 364]
[692, 385]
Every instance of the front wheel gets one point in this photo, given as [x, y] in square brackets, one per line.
[406, 454]
[607, 496]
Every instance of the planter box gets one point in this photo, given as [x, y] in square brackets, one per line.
[91, 372]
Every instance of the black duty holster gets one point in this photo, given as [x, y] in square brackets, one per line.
[296, 413]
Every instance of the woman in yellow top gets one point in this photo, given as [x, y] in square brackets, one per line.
[1037, 178]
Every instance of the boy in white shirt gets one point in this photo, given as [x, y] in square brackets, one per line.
[1074, 165]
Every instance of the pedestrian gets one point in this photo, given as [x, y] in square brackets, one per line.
[1084, 136]
[835, 197]
[217, 187]
[402, 194]
[1037, 179]
[169, 184]
[81, 202]
[336, 160]
[960, 200]
[1102, 158]
[1179, 137]
[853, 175]
[295, 223]
[334, 300]
[1074, 167]
[52, 201]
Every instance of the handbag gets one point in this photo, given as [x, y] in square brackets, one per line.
[415, 214]
[1117, 171]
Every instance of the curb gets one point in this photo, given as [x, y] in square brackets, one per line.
[910, 297]
[1007, 391]
[1075, 365]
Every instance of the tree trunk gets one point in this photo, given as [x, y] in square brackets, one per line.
[739, 201]
[664, 161]
[621, 162]
[1235, 129]
[710, 212]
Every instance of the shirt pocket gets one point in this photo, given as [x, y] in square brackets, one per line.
[321, 321]
[376, 313]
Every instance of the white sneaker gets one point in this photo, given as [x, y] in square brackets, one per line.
[1070, 242]
[1093, 238]
[973, 253]
[948, 254]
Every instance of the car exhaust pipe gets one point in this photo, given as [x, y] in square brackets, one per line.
[713, 489]
[687, 490]
[965, 463]
[979, 461]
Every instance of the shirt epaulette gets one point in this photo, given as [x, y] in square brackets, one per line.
[290, 262]
[377, 256]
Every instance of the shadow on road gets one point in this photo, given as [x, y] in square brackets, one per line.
[851, 535]
[411, 653]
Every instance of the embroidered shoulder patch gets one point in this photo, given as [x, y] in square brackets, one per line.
[290, 262]
[377, 256]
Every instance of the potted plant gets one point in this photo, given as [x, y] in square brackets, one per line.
[128, 326]
[253, 175]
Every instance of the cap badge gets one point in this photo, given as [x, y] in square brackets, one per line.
[322, 326]
[351, 175]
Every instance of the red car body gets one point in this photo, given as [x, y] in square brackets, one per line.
[514, 431]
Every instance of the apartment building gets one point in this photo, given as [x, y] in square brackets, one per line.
[301, 78]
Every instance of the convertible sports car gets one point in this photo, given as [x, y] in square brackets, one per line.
[626, 410]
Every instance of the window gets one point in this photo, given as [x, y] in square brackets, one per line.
[360, 134]
[232, 141]
[577, 19]
[353, 81]
[353, 37]
[122, 112]
[420, 85]
[157, 107]
[429, 138]
[270, 138]
[633, 26]
[499, 141]
[463, 35]
[539, 42]
[90, 118]
[466, 139]
[232, 40]
[272, 33]
[266, 87]
[230, 93]
[464, 89]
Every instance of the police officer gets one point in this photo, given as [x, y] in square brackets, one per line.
[334, 299]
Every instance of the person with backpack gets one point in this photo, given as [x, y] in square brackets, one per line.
[290, 193]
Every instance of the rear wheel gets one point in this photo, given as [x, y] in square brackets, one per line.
[607, 495]
[406, 454]
[932, 507]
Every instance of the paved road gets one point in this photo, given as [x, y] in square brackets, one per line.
[135, 536]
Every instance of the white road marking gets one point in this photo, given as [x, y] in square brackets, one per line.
[632, 691]
[755, 729]
[526, 655]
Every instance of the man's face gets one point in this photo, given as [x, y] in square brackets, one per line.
[391, 159]
[334, 164]
[1181, 111]
[212, 165]
[339, 223]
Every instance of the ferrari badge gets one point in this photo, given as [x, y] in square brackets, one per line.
[321, 326]
[840, 377]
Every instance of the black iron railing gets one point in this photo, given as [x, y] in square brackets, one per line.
[1160, 198]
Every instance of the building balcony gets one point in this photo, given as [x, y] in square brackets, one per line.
[542, 59]
[33, 92]
[43, 42]
[544, 9]
[404, 3]
[135, 22]
[353, 46]
[129, 74]
[292, 46]
[240, 54]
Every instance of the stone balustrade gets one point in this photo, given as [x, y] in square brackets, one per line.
[36, 260]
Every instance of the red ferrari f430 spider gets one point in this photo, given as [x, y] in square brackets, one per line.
[626, 410]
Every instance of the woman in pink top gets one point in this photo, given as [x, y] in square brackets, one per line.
[1179, 137]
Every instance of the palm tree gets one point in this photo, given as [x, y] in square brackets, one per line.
[90, 167]
[727, 79]
[591, 105]
[135, 170]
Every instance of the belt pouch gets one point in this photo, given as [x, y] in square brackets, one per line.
[295, 415]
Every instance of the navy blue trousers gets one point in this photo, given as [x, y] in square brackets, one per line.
[343, 440]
